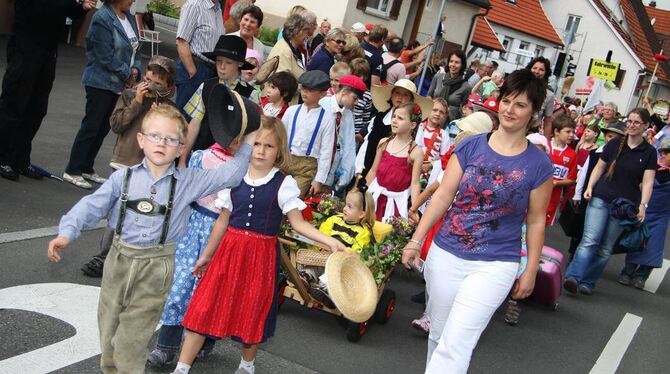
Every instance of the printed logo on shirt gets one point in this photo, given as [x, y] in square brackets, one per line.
[560, 171]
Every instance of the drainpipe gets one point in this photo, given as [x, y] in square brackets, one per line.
[468, 40]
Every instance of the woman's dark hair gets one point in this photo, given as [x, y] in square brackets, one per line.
[524, 81]
[645, 117]
[285, 83]
[254, 12]
[461, 55]
[412, 44]
[547, 66]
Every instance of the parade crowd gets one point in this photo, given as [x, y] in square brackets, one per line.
[215, 148]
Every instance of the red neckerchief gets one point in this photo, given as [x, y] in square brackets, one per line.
[432, 144]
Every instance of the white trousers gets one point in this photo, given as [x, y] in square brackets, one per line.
[464, 295]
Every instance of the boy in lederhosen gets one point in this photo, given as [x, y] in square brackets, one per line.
[148, 206]
[311, 134]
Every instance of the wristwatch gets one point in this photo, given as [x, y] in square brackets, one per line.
[645, 205]
[79, 1]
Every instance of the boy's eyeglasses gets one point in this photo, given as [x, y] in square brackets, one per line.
[156, 139]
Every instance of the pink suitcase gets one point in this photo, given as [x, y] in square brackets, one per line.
[549, 282]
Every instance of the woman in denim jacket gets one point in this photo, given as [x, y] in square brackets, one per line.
[112, 50]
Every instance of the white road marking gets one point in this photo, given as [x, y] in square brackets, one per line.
[656, 277]
[74, 304]
[18, 236]
[616, 347]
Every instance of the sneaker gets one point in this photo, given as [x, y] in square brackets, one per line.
[571, 285]
[624, 279]
[77, 180]
[94, 177]
[584, 290]
[512, 313]
[161, 358]
[422, 324]
[638, 283]
[8, 172]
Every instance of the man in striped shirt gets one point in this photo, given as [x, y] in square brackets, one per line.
[200, 25]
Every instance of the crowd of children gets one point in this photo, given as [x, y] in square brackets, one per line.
[194, 209]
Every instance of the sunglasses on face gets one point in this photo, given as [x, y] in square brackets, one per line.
[340, 42]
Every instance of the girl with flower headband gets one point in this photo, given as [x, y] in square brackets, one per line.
[394, 175]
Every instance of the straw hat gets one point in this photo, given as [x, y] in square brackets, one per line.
[476, 123]
[382, 94]
[351, 286]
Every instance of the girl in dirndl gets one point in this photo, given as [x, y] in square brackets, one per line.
[189, 247]
[394, 175]
[237, 295]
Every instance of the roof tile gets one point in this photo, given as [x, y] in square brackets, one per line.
[527, 16]
[485, 37]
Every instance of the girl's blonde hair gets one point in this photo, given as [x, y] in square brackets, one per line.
[169, 112]
[277, 128]
[365, 202]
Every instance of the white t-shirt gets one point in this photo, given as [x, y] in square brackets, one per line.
[130, 33]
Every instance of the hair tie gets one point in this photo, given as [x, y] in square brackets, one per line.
[362, 186]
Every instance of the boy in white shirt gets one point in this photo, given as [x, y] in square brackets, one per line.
[311, 134]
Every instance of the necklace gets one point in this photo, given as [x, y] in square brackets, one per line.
[401, 149]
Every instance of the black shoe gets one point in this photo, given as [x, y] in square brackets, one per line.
[571, 285]
[624, 279]
[638, 282]
[419, 298]
[8, 172]
[94, 267]
[321, 295]
[30, 172]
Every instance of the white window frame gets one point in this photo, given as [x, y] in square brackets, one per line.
[539, 48]
[520, 59]
[376, 11]
[505, 55]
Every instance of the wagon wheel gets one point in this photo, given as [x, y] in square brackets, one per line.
[355, 330]
[385, 307]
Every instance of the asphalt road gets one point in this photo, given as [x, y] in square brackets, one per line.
[569, 340]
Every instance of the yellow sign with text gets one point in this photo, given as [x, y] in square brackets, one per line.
[603, 69]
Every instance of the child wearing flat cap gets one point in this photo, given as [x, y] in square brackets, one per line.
[311, 134]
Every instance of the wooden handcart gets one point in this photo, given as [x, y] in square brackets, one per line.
[293, 287]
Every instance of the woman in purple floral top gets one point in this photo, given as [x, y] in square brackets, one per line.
[495, 181]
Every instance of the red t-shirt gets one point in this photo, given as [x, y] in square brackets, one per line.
[405, 57]
[565, 167]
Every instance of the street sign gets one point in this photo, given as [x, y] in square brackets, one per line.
[603, 69]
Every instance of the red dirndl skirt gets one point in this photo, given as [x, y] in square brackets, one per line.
[236, 293]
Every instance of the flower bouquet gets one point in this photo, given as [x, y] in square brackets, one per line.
[384, 256]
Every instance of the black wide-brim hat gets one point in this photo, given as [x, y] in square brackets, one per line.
[232, 47]
[230, 115]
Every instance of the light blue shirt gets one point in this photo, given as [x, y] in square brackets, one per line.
[142, 230]
[345, 157]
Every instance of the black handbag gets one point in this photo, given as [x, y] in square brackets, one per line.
[572, 219]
